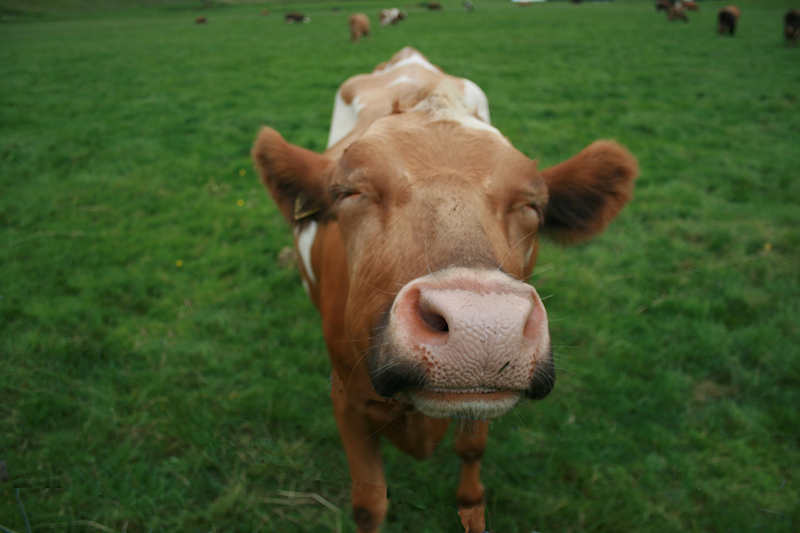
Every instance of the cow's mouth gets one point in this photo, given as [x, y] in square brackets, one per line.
[474, 404]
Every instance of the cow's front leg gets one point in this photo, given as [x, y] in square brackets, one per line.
[361, 445]
[470, 443]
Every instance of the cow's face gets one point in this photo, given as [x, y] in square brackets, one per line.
[440, 224]
[407, 204]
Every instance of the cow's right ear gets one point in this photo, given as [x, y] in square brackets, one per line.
[588, 190]
[294, 176]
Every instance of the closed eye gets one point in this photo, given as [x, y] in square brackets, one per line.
[341, 192]
[532, 210]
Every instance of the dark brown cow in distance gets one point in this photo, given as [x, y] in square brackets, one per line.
[359, 26]
[791, 26]
[727, 19]
[295, 17]
[690, 5]
[416, 231]
[663, 5]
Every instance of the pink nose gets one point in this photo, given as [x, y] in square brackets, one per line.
[470, 330]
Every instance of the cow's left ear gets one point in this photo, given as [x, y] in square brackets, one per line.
[294, 176]
[588, 190]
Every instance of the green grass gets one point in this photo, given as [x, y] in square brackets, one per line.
[139, 395]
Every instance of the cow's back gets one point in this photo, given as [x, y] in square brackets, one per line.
[407, 81]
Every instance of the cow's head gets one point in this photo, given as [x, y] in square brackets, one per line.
[440, 222]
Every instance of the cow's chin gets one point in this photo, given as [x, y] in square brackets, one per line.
[465, 404]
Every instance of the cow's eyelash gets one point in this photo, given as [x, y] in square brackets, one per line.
[340, 192]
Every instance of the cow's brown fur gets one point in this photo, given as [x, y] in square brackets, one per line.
[408, 191]
[359, 26]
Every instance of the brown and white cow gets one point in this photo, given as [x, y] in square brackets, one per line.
[727, 19]
[391, 16]
[359, 26]
[416, 231]
[677, 12]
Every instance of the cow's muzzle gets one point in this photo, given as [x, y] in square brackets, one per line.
[464, 343]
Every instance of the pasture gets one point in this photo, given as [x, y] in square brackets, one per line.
[160, 370]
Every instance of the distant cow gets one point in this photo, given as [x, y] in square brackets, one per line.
[691, 5]
[676, 12]
[295, 17]
[391, 16]
[791, 25]
[727, 18]
[200, 20]
[434, 6]
[359, 26]
[663, 5]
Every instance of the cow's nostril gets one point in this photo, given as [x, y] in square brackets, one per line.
[435, 321]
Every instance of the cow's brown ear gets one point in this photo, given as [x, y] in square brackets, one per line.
[588, 190]
[294, 176]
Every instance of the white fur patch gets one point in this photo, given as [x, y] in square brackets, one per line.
[476, 100]
[344, 118]
[403, 79]
[305, 240]
[414, 59]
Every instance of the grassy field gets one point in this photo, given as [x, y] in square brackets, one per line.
[160, 371]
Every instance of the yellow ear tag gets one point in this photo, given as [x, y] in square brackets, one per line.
[303, 207]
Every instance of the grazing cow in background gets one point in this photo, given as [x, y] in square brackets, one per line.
[434, 6]
[295, 17]
[359, 26]
[416, 231]
[391, 16]
[676, 12]
[727, 19]
[691, 5]
[791, 25]
[200, 20]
